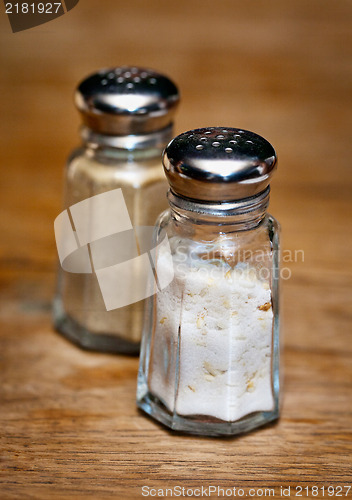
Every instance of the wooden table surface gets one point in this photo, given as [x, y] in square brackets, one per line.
[69, 427]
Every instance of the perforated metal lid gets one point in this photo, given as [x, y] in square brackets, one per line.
[219, 164]
[127, 100]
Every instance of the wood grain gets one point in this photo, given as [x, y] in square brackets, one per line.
[69, 425]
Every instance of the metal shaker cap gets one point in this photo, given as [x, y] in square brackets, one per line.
[127, 100]
[219, 164]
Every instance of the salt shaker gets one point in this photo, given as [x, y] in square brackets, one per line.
[210, 347]
[127, 115]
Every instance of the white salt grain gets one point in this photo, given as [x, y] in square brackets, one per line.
[220, 324]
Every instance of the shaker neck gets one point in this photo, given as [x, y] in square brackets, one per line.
[238, 215]
[155, 141]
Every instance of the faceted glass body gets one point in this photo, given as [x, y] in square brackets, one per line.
[79, 309]
[210, 347]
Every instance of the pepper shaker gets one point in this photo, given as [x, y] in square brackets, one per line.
[127, 115]
[209, 359]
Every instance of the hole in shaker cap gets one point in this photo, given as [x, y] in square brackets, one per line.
[216, 144]
[228, 150]
[199, 147]
[104, 82]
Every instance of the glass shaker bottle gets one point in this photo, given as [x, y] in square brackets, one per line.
[210, 347]
[127, 117]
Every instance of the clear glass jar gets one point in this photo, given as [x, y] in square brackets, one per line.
[121, 149]
[210, 348]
